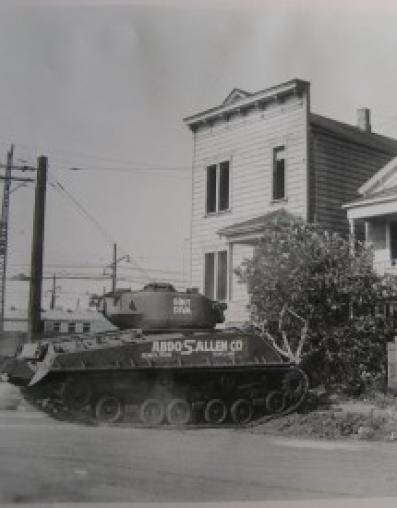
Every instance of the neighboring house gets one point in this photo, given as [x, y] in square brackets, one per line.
[377, 209]
[257, 153]
[59, 322]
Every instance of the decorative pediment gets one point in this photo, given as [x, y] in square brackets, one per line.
[383, 180]
[259, 224]
[236, 95]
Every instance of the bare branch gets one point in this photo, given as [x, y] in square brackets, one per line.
[302, 340]
[297, 316]
[281, 318]
[287, 346]
[276, 346]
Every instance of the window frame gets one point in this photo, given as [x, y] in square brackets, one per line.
[216, 282]
[72, 324]
[86, 327]
[56, 326]
[277, 149]
[218, 165]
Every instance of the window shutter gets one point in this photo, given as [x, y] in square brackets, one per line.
[221, 292]
[209, 277]
[211, 189]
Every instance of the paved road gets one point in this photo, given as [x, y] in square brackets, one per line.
[46, 461]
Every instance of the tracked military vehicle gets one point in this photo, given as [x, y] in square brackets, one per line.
[175, 368]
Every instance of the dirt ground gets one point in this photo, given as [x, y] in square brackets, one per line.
[370, 419]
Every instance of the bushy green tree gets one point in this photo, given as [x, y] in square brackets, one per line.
[314, 296]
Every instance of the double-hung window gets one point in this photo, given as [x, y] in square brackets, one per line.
[71, 327]
[215, 275]
[279, 173]
[218, 187]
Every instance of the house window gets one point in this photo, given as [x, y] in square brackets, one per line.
[215, 275]
[86, 327]
[218, 187]
[56, 327]
[279, 173]
[393, 240]
[71, 327]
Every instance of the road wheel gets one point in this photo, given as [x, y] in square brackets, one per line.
[152, 412]
[215, 411]
[179, 412]
[109, 409]
[241, 411]
[76, 393]
[275, 401]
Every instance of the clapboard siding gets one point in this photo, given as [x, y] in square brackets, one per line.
[338, 167]
[247, 142]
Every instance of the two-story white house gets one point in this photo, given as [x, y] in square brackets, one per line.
[262, 157]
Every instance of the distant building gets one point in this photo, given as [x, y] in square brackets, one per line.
[258, 153]
[16, 320]
[59, 322]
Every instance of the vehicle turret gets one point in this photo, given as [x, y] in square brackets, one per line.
[159, 307]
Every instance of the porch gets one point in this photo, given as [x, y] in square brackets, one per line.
[241, 239]
[378, 213]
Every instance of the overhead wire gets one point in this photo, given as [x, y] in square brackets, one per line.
[64, 192]
[95, 266]
[60, 188]
[119, 165]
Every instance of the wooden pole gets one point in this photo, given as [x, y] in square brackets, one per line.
[36, 272]
[53, 292]
[4, 232]
[114, 270]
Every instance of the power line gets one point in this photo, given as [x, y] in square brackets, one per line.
[124, 166]
[61, 189]
[94, 266]
[160, 172]
[130, 168]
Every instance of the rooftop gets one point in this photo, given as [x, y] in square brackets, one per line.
[239, 100]
[354, 134]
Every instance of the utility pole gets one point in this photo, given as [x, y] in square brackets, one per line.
[36, 272]
[4, 233]
[53, 292]
[7, 179]
[114, 269]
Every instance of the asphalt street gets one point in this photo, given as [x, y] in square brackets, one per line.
[43, 461]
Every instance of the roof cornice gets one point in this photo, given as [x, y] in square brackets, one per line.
[258, 99]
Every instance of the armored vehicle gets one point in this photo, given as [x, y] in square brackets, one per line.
[177, 369]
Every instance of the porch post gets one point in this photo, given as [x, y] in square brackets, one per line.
[230, 270]
[352, 229]
[366, 232]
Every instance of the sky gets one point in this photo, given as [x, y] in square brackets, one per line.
[104, 87]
